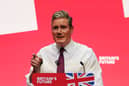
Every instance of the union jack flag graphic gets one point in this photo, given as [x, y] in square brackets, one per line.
[80, 79]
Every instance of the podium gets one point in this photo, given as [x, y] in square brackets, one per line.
[63, 79]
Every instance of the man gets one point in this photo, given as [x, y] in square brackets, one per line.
[65, 55]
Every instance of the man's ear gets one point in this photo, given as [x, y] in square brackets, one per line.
[72, 29]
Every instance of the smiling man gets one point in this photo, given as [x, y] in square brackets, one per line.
[65, 55]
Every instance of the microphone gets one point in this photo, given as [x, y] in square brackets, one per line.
[83, 66]
[57, 62]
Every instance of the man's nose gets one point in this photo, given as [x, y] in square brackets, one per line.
[59, 30]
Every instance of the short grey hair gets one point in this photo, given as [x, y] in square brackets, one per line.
[62, 14]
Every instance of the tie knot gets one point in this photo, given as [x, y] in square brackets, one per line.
[62, 50]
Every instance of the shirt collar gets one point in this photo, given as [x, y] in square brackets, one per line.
[69, 47]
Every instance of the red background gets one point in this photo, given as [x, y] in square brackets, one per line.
[100, 24]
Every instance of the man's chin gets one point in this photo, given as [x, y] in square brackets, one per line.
[60, 43]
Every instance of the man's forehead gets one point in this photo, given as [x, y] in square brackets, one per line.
[60, 21]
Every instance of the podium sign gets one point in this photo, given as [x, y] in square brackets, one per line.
[63, 79]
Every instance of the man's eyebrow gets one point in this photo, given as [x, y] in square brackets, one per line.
[54, 27]
[63, 25]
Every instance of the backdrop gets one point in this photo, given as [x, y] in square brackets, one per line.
[101, 24]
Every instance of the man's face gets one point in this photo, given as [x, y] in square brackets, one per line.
[61, 31]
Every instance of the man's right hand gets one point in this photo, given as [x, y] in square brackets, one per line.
[36, 63]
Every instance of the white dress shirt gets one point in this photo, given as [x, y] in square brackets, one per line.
[74, 53]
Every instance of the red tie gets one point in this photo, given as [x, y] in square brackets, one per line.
[60, 66]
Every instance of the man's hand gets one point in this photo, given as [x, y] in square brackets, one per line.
[36, 63]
